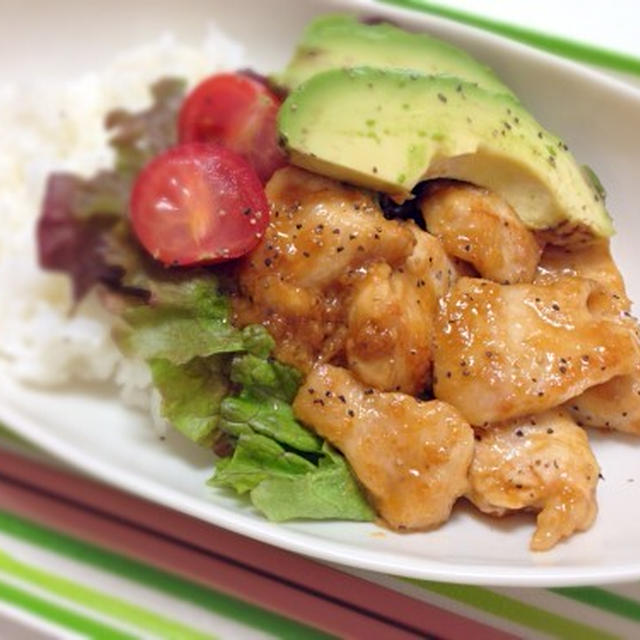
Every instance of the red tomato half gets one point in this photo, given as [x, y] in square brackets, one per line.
[198, 204]
[238, 112]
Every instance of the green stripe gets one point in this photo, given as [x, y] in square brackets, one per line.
[605, 600]
[216, 602]
[99, 602]
[561, 46]
[59, 616]
[10, 436]
[514, 611]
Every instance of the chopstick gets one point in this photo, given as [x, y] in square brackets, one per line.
[290, 584]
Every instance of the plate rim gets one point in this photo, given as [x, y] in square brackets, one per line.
[301, 542]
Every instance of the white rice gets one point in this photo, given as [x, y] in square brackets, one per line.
[59, 127]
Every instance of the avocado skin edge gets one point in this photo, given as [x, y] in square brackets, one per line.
[335, 41]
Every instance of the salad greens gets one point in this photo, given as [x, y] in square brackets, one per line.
[285, 485]
[218, 383]
[191, 394]
[178, 333]
[252, 412]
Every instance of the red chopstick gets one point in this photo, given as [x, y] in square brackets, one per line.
[290, 584]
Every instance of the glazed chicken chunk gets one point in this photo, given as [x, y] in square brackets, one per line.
[541, 463]
[389, 331]
[430, 264]
[321, 237]
[592, 261]
[479, 227]
[334, 281]
[509, 350]
[412, 457]
[614, 404]
[391, 317]
[322, 229]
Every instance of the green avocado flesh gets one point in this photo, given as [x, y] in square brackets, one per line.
[340, 41]
[388, 130]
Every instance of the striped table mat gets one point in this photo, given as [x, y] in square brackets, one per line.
[605, 39]
[79, 559]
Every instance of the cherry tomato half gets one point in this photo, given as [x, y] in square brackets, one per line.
[238, 112]
[198, 204]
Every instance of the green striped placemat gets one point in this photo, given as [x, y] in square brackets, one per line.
[582, 52]
[80, 587]
[77, 586]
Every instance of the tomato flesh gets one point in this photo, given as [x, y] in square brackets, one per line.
[238, 112]
[198, 204]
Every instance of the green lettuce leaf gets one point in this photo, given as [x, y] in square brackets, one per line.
[175, 334]
[266, 376]
[286, 486]
[255, 459]
[330, 493]
[191, 394]
[185, 317]
[250, 413]
[258, 341]
[195, 291]
[288, 471]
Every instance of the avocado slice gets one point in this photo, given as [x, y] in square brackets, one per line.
[388, 130]
[341, 41]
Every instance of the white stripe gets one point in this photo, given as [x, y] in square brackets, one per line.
[569, 608]
[611, 26]
[630, 590]
[35, 627]
[69, 605]
[134, 593]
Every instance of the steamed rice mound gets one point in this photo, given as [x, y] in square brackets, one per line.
[50, 126]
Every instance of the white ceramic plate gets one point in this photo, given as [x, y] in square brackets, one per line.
[600, 120]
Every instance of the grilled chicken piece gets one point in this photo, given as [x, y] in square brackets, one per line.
[391, 317]
[411, 456]
[509, 350]
[430, 264]
[479, 227]
[322, 229]
[321, 237]
[614, 404]
[389, 330]
[591, 261]
[540, 462]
